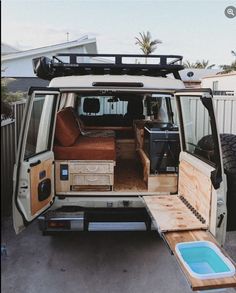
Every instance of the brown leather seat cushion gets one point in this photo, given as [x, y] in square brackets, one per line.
[88, 148]
[67, 130]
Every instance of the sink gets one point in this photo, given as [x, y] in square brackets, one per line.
[204, 260]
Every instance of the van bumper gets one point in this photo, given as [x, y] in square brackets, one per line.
[95, 219]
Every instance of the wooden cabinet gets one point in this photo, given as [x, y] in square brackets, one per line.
[85, 175]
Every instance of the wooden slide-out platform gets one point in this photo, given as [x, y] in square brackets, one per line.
[172, 238]
[176, 222]
[171, 214]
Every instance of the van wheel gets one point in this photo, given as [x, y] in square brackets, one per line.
[228, 145]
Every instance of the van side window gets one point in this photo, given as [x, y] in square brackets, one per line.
[197, 129]
[39, 125]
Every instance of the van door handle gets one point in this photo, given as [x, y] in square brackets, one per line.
[35, 163]
[24, 187]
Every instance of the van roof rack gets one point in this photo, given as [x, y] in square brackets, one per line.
[66, 64]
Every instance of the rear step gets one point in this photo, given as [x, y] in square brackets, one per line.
[99, 219]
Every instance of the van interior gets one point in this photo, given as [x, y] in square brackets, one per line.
[116, 143]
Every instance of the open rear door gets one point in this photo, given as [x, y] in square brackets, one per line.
[198, 211]
[34, 169]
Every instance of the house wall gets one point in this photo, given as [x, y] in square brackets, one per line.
[22, 67]
[225, 82]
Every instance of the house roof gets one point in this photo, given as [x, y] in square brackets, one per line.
[221, 75]
[85, 40]
[196, 74]
[7, 49]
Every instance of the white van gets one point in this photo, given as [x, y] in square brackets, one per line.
[100, 150]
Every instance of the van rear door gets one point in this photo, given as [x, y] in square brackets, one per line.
[33, 178]
[198, 211]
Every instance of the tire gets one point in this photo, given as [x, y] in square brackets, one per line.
[228, 145]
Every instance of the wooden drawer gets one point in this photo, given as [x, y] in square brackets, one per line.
[93, 179]
[91, 168]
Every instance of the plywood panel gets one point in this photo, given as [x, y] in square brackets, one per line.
[158, 182]
[45, 166]
[172, 238]
[196, 188]
[171, 214]
[139, 133]
[162, 183]
[145, 163]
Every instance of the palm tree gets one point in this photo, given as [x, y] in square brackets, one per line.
[198, 64]
[204, 64]
[231, 67]
[188, 64]
[146, 44]
[228, 68]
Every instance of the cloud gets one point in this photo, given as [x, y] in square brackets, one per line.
[29, 36]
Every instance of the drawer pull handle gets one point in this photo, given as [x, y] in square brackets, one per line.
[92, 170]
[92, 179]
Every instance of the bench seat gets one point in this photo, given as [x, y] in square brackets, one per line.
[87, 148]
[70, 144]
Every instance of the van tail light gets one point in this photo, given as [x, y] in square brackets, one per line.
[58, 224]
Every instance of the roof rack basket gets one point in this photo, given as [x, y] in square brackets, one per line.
[115, 64]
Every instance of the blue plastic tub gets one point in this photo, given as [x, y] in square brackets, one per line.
[204, 260]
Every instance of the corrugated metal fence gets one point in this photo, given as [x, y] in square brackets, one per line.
[10, 129]
[226, 113]
[225, 107]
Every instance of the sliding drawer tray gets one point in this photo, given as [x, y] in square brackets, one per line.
[172, 213]
[173, 239]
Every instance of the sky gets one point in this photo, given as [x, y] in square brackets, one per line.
[193, 28]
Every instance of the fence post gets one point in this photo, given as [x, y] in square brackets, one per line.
[15, 128]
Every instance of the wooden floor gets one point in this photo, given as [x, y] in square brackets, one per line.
[129, 176]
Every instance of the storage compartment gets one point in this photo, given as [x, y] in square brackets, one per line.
[90, 175]
[157, 182]
[204, 260]
[161, 144]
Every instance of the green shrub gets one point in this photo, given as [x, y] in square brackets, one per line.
[10, 97]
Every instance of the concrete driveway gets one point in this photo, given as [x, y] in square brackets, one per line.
[115, 262]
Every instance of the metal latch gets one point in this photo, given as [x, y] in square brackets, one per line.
[221, 218]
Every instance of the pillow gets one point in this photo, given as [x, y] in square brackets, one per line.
[67, 130]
